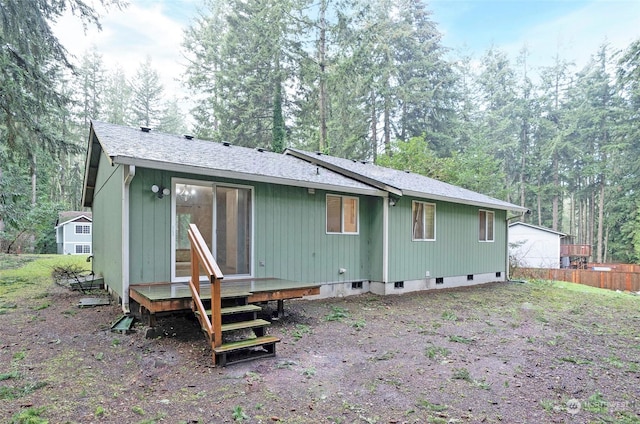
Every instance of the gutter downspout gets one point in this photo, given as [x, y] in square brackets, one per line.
[385, 240]
[129, 173]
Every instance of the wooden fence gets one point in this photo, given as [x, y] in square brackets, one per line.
[612, 280]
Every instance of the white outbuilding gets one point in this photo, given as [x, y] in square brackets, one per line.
[531, 246]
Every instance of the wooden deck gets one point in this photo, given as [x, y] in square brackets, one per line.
[168, 297]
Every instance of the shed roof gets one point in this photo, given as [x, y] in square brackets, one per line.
[537, 227]
[156, 150]
[404, 183]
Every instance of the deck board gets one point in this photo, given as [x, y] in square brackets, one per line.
[167, 297]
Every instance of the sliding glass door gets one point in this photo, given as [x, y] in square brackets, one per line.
[223, 214]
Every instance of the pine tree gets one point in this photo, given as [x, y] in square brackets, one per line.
[146, 95]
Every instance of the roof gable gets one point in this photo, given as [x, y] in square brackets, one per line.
[155, 150]
[67, 217]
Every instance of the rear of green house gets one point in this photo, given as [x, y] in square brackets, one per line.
[348, 226]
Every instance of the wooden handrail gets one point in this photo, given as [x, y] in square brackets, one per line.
[200, 254]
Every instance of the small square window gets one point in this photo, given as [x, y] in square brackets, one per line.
[498, 274]
[356, 285]
[470, 277]
[439, 280]
[398, 285]
[342, 214]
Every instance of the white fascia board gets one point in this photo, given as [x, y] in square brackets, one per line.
[174, 167]
[73, 219]
[487, 205]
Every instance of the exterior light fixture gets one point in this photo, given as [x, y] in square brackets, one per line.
[392, 201]
[160, 191]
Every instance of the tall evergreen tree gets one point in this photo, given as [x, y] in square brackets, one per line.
[146, 95]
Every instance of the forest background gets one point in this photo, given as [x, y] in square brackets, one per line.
[367, 80]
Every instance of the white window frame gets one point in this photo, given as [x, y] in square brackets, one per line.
[82, 246]
[342, 214]
[213, 184]
[424, 217]
[81, 228]
[487, 213]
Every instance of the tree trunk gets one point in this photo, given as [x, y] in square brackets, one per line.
[374, 126]
[600, 237]
[322, 94]
[556, 194]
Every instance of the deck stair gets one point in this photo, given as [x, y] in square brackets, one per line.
[228, 320]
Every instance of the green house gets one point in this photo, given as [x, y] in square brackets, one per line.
[348, 227]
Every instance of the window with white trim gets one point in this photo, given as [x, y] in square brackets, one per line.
[486, 219]
[83, 248]
[342, 214]
[423, 221]
[83, 229]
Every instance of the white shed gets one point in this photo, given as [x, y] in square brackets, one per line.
[531, 246]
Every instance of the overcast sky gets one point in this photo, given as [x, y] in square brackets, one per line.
[573, 28]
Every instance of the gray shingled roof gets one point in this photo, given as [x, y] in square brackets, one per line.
[404, 183]
[155, 150]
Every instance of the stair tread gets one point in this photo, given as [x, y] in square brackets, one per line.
[235, 310]
[239, 309]
[247, 343]
[245, 324]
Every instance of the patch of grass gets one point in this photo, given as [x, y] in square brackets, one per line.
[30, 416]
[576, 361]
[309, 372]
[625, 417]
[460, 339]
[138, 410]
[434, 407]
[28, 276]
[614, 361]
[433, 352]
[548, 405]
[596, 404]
[300, 331]
[99, 411]
[9, 375]
[238, 414]
[337, 314]
[462, 374]
[19, 356]
[449, 316]
[8, 392]
[42, 306]
[359, 324]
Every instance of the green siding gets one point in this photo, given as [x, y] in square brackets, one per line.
[291, 241]
[107, 224]
[150, 228]
[456, 250]
[289, 233]
[289, 237]
[376, 239]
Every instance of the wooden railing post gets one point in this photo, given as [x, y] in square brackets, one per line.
[216, 306]
[201, 255]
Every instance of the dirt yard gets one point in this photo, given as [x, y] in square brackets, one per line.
[538, 352]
